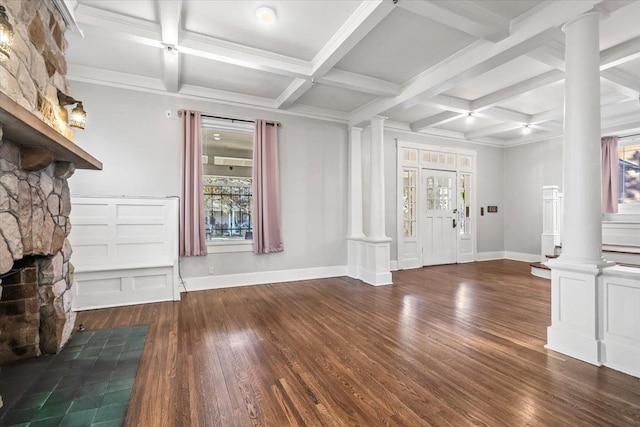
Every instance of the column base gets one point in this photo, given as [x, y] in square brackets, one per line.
[576, 311]
[574, 345]
[368, 260]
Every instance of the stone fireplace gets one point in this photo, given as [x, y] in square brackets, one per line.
[37, 156]
[35, 299]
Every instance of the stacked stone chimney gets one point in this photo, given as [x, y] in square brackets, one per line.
[35, 273]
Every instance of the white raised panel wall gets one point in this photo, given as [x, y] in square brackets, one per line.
[125, 251]
[621, 319]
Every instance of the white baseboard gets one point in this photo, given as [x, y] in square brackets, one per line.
[575, 345]
[622, 358]
[489, 256]
[517, 256]
[261, 278]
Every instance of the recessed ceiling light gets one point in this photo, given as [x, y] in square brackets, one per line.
[470, 118]
[526, 130]
[266, 15]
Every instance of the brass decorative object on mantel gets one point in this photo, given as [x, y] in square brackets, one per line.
[40, 143]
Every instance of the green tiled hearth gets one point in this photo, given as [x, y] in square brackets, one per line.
[87, 384]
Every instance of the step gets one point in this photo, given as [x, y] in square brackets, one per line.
[539, 269]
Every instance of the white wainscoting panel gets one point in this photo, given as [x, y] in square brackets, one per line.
[125, 250]
[621, 319]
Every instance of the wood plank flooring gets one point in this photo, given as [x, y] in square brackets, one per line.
[449, 345]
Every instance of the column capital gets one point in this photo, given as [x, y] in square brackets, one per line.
[355, 129]
[378, 118]
[579, 18]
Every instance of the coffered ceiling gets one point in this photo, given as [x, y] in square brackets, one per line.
[425, 65]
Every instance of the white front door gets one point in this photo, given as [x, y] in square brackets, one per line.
[438, 217]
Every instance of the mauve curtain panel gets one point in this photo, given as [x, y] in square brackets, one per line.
[192, 242]
[266, 189]
[610, 174]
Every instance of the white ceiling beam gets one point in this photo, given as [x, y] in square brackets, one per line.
[626, 83]
[170, 12]
[469, 17]
[294, 91]
[622, 129]
[449, 103]
[558, 113]
[124, 27]
[357, 26]
[532, 32]
[144, 32]
[620, 53]
[549, 55]
[552, 127]
[243, 56]
[365, 18]
[505, 115]
[553, 55]
[517, 90]
[437, 119]
[492, 130]
[360, 83]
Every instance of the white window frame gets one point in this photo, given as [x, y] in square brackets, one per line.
[231, 245]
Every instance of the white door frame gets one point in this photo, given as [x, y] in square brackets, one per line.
[412, 155]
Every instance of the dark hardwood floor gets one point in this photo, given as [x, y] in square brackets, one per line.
[450, 345]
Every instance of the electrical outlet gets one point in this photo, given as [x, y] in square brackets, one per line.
[167, 114]
[211, 269]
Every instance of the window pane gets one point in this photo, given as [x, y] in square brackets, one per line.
[629, 174]
[227, 166]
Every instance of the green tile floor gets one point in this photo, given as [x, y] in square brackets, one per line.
[87, 384]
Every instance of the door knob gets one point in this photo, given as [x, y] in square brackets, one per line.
[454, 223]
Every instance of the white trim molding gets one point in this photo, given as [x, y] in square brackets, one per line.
[262, 278]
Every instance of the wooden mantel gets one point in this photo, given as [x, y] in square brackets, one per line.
[34, 136]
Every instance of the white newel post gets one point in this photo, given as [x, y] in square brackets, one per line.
[377, 245]
[355, 236]
[551, 217]
[576, 300]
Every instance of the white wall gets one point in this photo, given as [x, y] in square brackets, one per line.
[141, 150]
[527, 168]
[490, 187]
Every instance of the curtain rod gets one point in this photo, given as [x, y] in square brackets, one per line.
[629, 136]
[270, 123]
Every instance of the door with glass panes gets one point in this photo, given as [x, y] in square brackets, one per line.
[438, 217]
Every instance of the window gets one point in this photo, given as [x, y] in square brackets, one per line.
[629, 173]
[227, 161]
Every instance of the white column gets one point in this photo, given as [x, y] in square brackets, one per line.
[576, 276]
[355, 234]
[582, 228]
[375, 260]
[355, 183]
[376, 177]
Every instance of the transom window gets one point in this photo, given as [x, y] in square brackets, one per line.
[227, 162]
